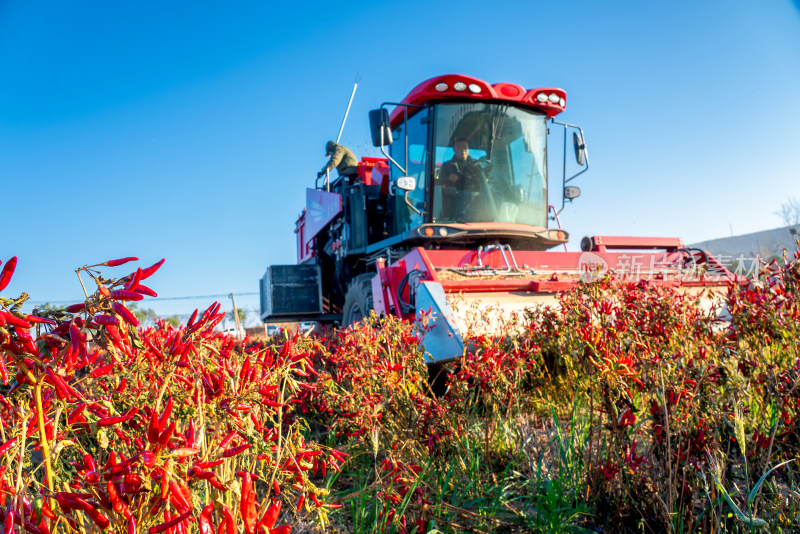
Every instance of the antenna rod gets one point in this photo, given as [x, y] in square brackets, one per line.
[344, 120]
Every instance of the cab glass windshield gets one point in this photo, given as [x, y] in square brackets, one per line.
[489, 164]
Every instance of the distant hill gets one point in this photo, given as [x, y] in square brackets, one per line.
[767, 244]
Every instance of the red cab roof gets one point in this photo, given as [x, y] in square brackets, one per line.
[459, 87]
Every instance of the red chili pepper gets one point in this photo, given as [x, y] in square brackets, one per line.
[121, 294]
[162, 420]
[40, 320]
[94, 514]
[75, 308]
[7, 272]
[111, 460]
[58, 383]
[134, 280]
[89, 463]
[3, 370]
[190, 322]
[341, 456]
[227, 439]
[8, 526]
[152, 429]
[149, 458]
[72, 391]
[113, 495]
[47, 511]
[146, 273]
[217, 484]
[171, 523]
[235, 450]
[115, 420]
[106, 319]
[166, 435]
[75, 337]
[179, 498]
[165, 477]
[228, 525]
[120, 261]
[244, 370]
[247, 503]
[131, 525]
[7, 445]
[102, 371]
[144, 290]
[270, 516]
[190, 434]
[114, 334]
[300, 502]
[13, 320]
[206, 465]
[125, 313]
[201, 474]
[205, 519]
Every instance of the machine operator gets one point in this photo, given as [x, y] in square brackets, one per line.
[463, 180]
[342, 159]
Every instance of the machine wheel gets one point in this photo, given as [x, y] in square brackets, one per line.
[358, 300]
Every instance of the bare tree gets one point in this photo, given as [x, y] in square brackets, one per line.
[790, 214]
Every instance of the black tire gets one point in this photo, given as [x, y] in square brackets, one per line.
[358, 300]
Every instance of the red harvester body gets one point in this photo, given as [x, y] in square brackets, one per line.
[421, 232]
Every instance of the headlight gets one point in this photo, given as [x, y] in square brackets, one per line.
[554, 98]
[441, 87]
[475, 88]
[460, 86]
[541, 97]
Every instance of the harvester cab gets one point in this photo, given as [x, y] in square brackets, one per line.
[455, 217]
[478, 164]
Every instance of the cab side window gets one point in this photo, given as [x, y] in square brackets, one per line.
[406, 218]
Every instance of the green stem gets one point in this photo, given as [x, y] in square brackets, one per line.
[48, 470]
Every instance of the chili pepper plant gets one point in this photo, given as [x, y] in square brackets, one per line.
[626, 407]
[106, 425]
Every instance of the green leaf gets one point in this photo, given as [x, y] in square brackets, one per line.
[755, 489]
[744, 518]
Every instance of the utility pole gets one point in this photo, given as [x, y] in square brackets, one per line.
[236, 318]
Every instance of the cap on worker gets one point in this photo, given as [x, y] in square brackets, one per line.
[329, 147]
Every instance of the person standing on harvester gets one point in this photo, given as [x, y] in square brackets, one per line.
[342, 159]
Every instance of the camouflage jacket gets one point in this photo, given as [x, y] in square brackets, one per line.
[342, 159]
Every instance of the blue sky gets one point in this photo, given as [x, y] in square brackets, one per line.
[190, 130]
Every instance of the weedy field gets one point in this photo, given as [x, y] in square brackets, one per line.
[628, 408]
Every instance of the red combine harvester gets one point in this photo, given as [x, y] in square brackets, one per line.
[408, 236]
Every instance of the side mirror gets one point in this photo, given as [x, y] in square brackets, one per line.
[580, 148]
[571, 192]
[406, 183]
[379, 127]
